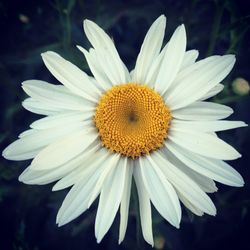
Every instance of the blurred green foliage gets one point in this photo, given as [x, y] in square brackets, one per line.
[29, 28]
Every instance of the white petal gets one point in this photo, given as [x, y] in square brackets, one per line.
[155, 67]
[160, 191]
[88, 163]
[206, 126]
[64, 150]
[62, 119]
[202, 78]
[71, 76]
[189, 58]
[185, 73]
[205, 183]
[106, 172]
[96, 68]
[30, 176]
[54, 96]
[208, 61]
[203, 111]
[76, 201]
[214, 91]
[189, 205]
[110, 67]
[105, 48]
[75, 204]
[124, 208]
[203, 144]
[150, 49]
[110, 199]
[172, 60]
[27, 147]
[27, 132]
[144, 206]
[40, 108]
[214, 169]
[188, 188]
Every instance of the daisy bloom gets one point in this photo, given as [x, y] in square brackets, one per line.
[152, 125]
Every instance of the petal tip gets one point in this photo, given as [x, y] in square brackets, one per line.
[5, 153]
[61, 221]
[24, 176]
[54, 188]
[84, 51]
[45, 54]
[213, 211]
[238, 155]
[25, 83]
[49, 54]
[162, 18]
[8, 152]
[60, 224]
[244, 124]
[21, 178]
[87, 23]
[241, 183]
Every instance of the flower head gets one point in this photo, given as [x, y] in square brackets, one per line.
[151, 124]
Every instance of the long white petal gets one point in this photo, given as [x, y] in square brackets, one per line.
[75, 204]
[201, 78]
[150, 49]
[46, 107]
[92, 159]
[105, 174]
[40, 108]
[172, 60]
[187, 187]
[64, 150]
[144, 206]
[185, 73]
[203, 111]
[105, 47]
[110, 199]
[30, 176]
[124, 208]
[62, 119]
[161, 192]
[70, 76]
[204, 182]
[206, 126]
[155, 68]
[110, 68]
[215, 169]
[203, 144]
[76, 201]
[27, 147]
[189, 59]
[54, 96]
[96, 68]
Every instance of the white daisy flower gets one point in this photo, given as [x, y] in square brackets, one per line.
[151, 124]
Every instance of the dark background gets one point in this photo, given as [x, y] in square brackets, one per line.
[27, 28]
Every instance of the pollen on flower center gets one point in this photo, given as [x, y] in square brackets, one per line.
[132, 120]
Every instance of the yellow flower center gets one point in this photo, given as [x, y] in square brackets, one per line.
[132, 120]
